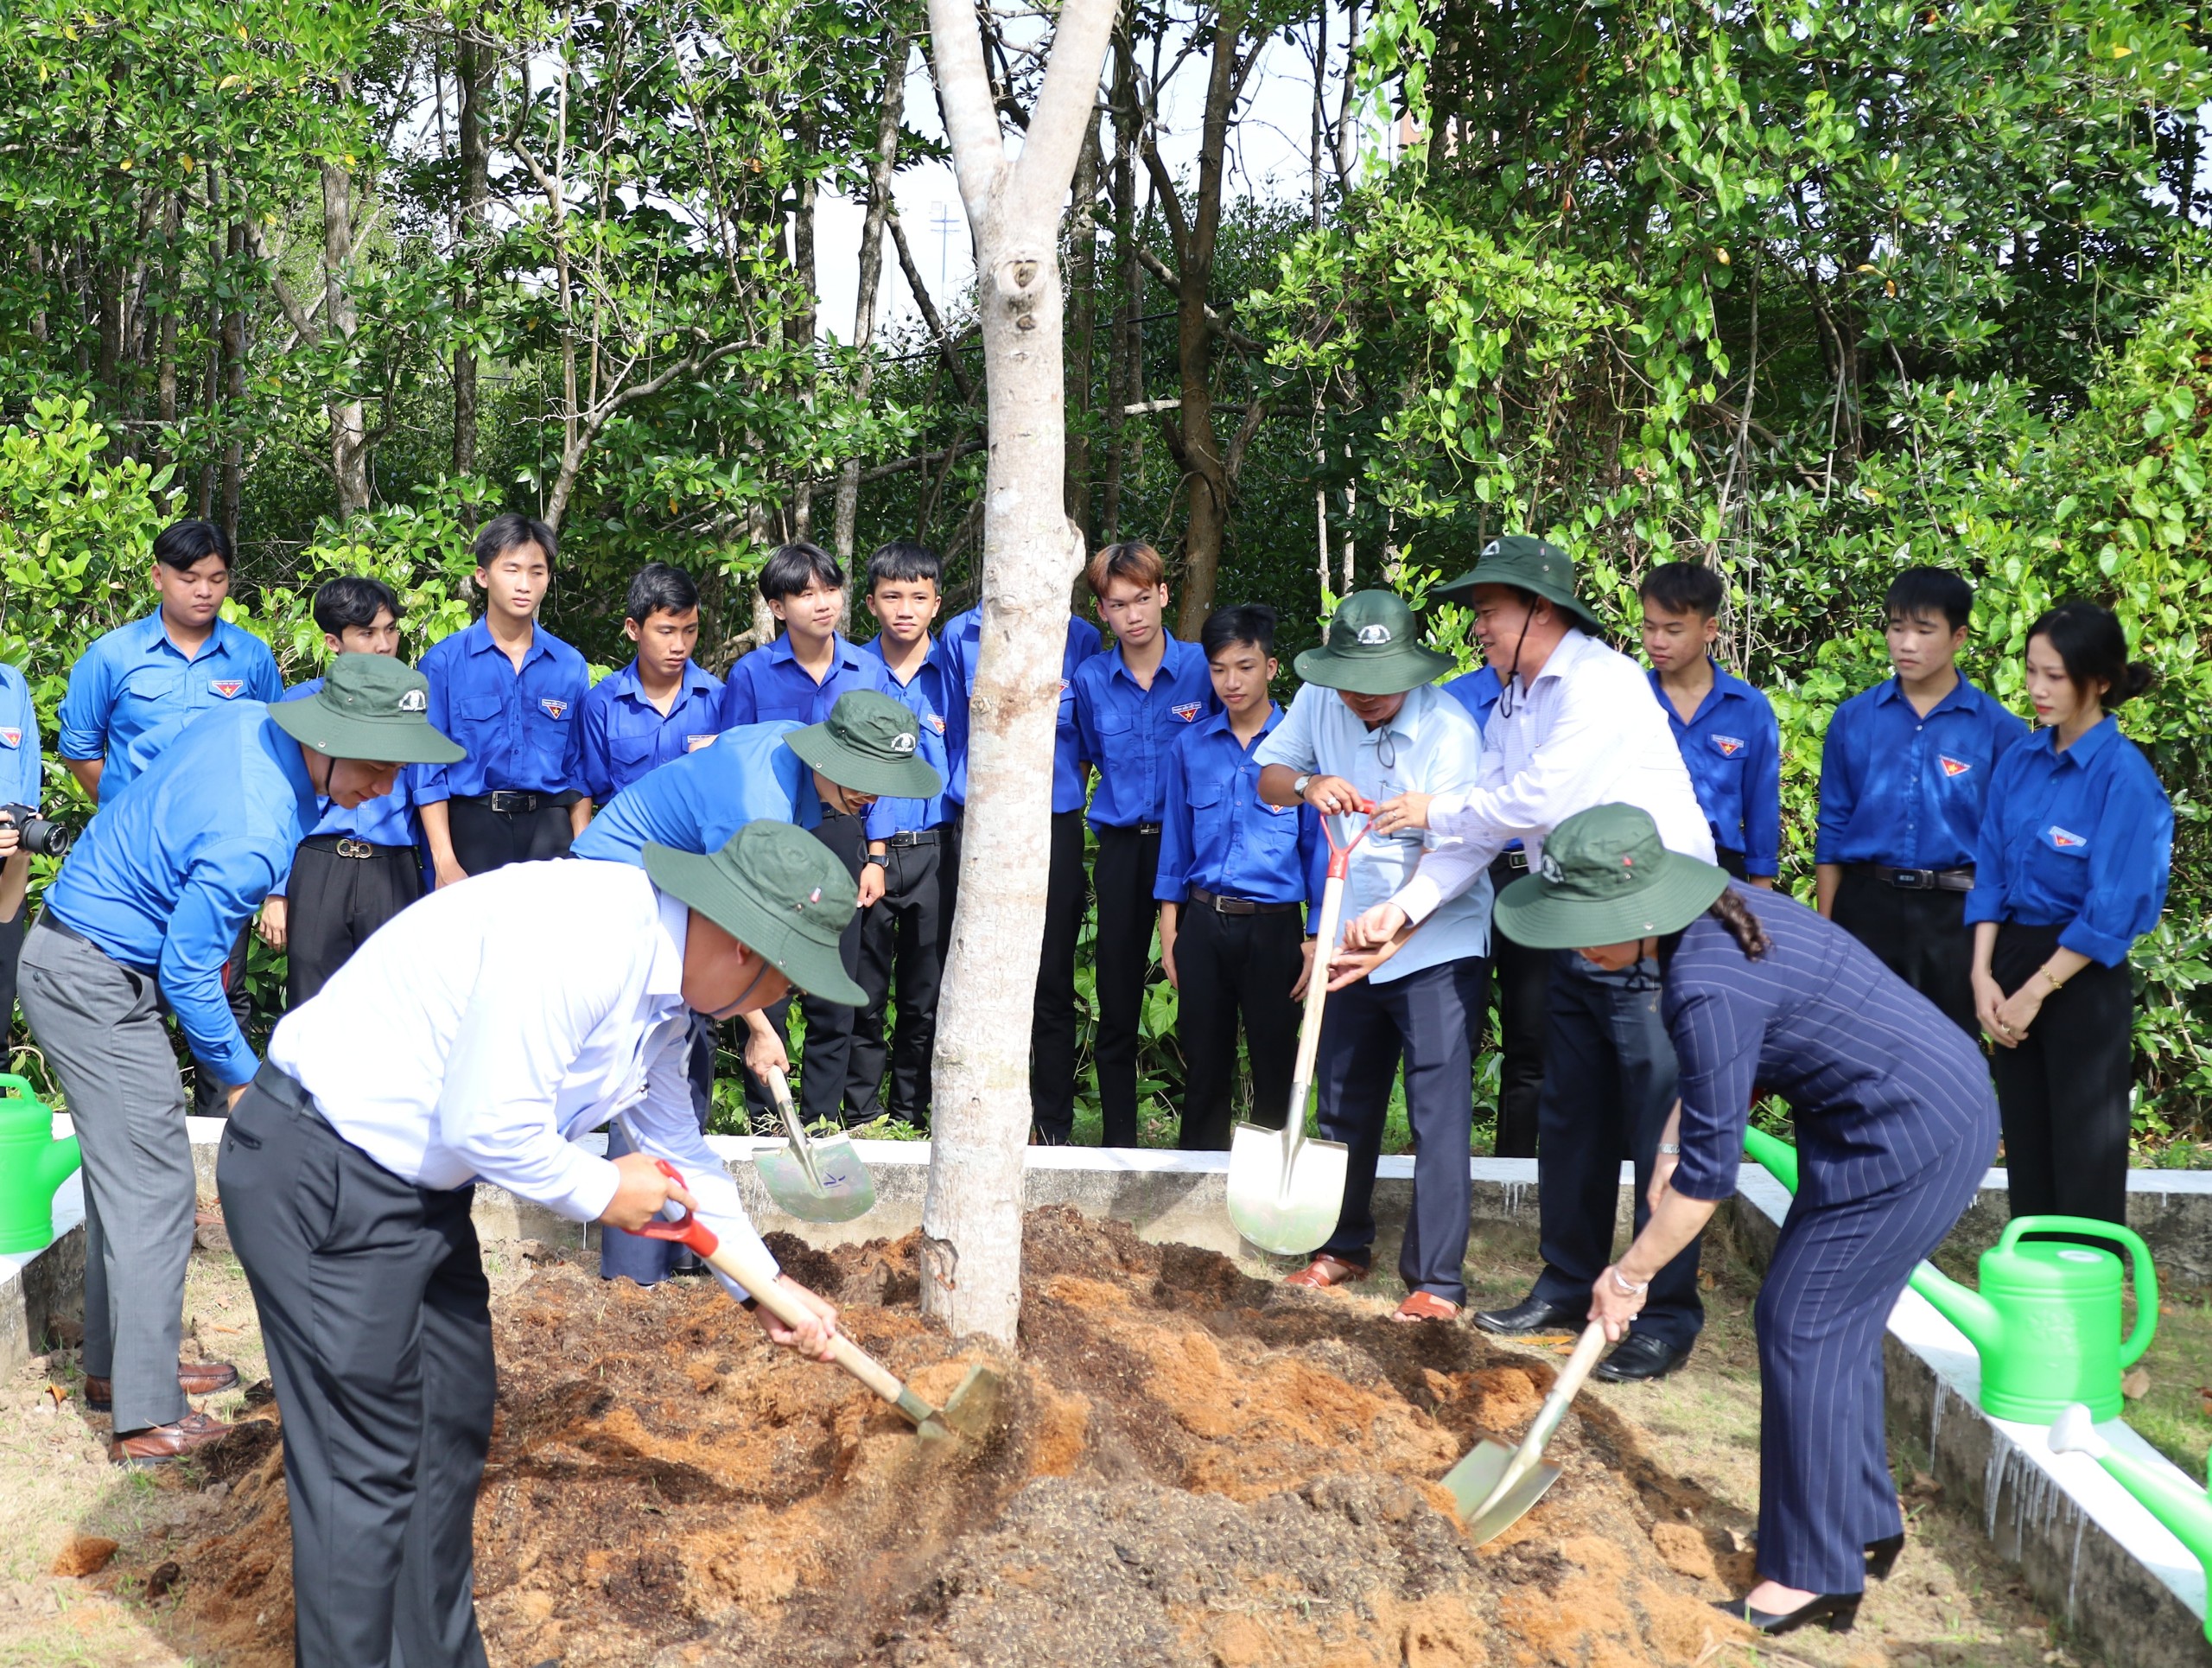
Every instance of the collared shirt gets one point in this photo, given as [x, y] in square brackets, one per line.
[696, 802]
[958, 652]
[480, 1031]
[19, 751]
[923, 694]
[1125, 729]
[1732, 748]
[770, 684]
[388, 819]
[2082, 839]
[1431, 747]
[1218, 833]
[177, 863]
[134, 689]
[523, 730]
[625, 736]
[1583, 732]
[1905, 790]
[1478, 692]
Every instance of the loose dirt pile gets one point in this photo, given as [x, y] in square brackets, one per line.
[1190, 1467]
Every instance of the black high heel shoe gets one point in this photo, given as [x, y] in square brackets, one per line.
[1840, 1611]
[1882, 1555]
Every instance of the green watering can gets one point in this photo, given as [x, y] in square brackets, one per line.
[32, 1165]
[2046, 1320]
[2181, 1508]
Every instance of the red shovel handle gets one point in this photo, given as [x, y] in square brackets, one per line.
[687, 1231]
[1340, 856]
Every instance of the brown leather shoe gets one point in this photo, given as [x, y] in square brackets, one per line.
[192, 1378]
[163, 1443]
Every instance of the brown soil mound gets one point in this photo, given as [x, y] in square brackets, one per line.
[1189, 1466]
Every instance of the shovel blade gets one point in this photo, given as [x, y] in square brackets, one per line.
[1471, 1481]
[840, 1189]
[1288, 1210]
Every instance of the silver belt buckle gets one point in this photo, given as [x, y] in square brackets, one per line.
[350, 847]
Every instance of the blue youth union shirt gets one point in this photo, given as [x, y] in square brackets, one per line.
[2082, 840]
[1904, 791]
[624, 734]
[769, 684]
[957, 653]
[133, 689]
[1125, 729]
[923, 694]
[1215, 832]
[175, 866]
[19, 750]
[696, 802]
[1478, 692]
[522, 730]
[1732, 748]
[388, 819]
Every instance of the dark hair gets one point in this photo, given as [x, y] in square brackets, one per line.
[1733, 913]
[1132, 559]
[904, 564]
[1683, 587]
[352, 599]
[2088, 638]
[1930, 590]
[657, 587]
[510, 531]
[184, 543]
[790, 568]
[1244, 622]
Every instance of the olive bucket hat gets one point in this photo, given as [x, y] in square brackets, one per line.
[1373, 648]
[369, 706]
[1529, 564]
[1605, 878]
[869, 743]
[779, 892]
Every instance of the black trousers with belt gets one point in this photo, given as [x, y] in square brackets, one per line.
[826, 1059]
[2062, 1094]
[1919, 934]
[1524, 976]
[376, 1316]
[1123, 875]
[333, 903]
[1230, 967]
[1054, 1023]
[485, 839]
[902, 937]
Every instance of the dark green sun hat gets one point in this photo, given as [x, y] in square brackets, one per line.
[1373, 648]
[1605, 878]
[1530, 564]
[371, 708]
[869, 743]
[777, 890]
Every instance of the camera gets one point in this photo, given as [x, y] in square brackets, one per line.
[41, 837]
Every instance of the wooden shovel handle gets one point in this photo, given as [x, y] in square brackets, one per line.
[1588, 1348]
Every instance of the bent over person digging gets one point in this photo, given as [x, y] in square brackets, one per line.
[475, 1038]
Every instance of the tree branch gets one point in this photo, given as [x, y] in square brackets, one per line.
[929, 315]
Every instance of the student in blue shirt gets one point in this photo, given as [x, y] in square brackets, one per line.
[1904, 774]
[663, 704]
[19, 785]
[1235, 875]
[359, 866]
[902, 932]
[1052, 1020]
[1730, 743]
[1131, 703]
[141, 917]
[2069, 870]
[511, 693]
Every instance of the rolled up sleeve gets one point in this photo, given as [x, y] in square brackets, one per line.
[2129, 860]
[81, 731]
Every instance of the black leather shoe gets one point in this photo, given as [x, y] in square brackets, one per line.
[1882, 1555]
[1529, 1314]
[1639, 1357]
[1840, 1611]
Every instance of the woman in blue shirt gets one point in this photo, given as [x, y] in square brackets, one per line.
[2076, 840]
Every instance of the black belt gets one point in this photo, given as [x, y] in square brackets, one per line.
[1144, 828]
[1517, 858]
[510, 802]
[1916, 880]
[48, 918]
[345, 845]
[1221, 906]
[912, 837]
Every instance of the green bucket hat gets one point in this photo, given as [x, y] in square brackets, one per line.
[369, 706]
[1373, 648]
[869, 743]
[1605, 878]
[1531, 564]
[777, 890]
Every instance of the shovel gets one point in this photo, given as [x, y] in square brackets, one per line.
[966, 1412]
[815, 1181]
[1285, 1192]
[1494, 1486]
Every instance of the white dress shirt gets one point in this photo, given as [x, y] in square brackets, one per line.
[1583, 731]
[480, 1031]
[1433, 746]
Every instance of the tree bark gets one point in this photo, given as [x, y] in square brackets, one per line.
[1124, 368]
[1083, 297]
[971, 1217]
[349, 452]
[800, 332]
[472, 62]
[889, 113]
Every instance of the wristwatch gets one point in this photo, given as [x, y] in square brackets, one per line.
[880, 859]
[1300, 784]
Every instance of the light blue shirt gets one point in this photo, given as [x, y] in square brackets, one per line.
[1431, 747]
[134, 689]
[19, 754]
[696, 802]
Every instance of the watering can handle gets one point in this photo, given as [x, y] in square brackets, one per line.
[20, 1084]
[2139, 1258]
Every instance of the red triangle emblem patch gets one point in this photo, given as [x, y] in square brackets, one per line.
[227, 687]
[1187, 711]
[11, 737]
[1953, 767]
[1728, 746]
[553, 709]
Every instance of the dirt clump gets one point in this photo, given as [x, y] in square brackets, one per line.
[1190, 1468]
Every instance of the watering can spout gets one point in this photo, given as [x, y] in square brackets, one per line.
[2184, 1510]
[1963, 1307]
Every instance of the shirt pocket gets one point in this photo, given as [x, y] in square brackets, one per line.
[1210, 814]
[479, 711]
[632, 753]
[2058, 856]
[547, 724]
[151, 686]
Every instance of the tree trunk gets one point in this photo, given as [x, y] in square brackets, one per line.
[1124, 367]
[800, 333]
[349, 452]
[472, 63]
[233, 390]
[888, 116]
[1082, 297]
[971, 1217]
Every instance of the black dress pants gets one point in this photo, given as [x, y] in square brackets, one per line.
[210, 1096]
[1127, 868]
[1053, 1020]
[826, 1060]
[902, 937]
[1522, 975]
[1227, 968]
[333, 903]
[2062, 1095]
[1920, 936]
[11, 951]
[375, 1313]
[485, 839]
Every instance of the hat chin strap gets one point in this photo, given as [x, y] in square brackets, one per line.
[1505, 696]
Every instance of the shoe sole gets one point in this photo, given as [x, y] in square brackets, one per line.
[1496, 1331]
